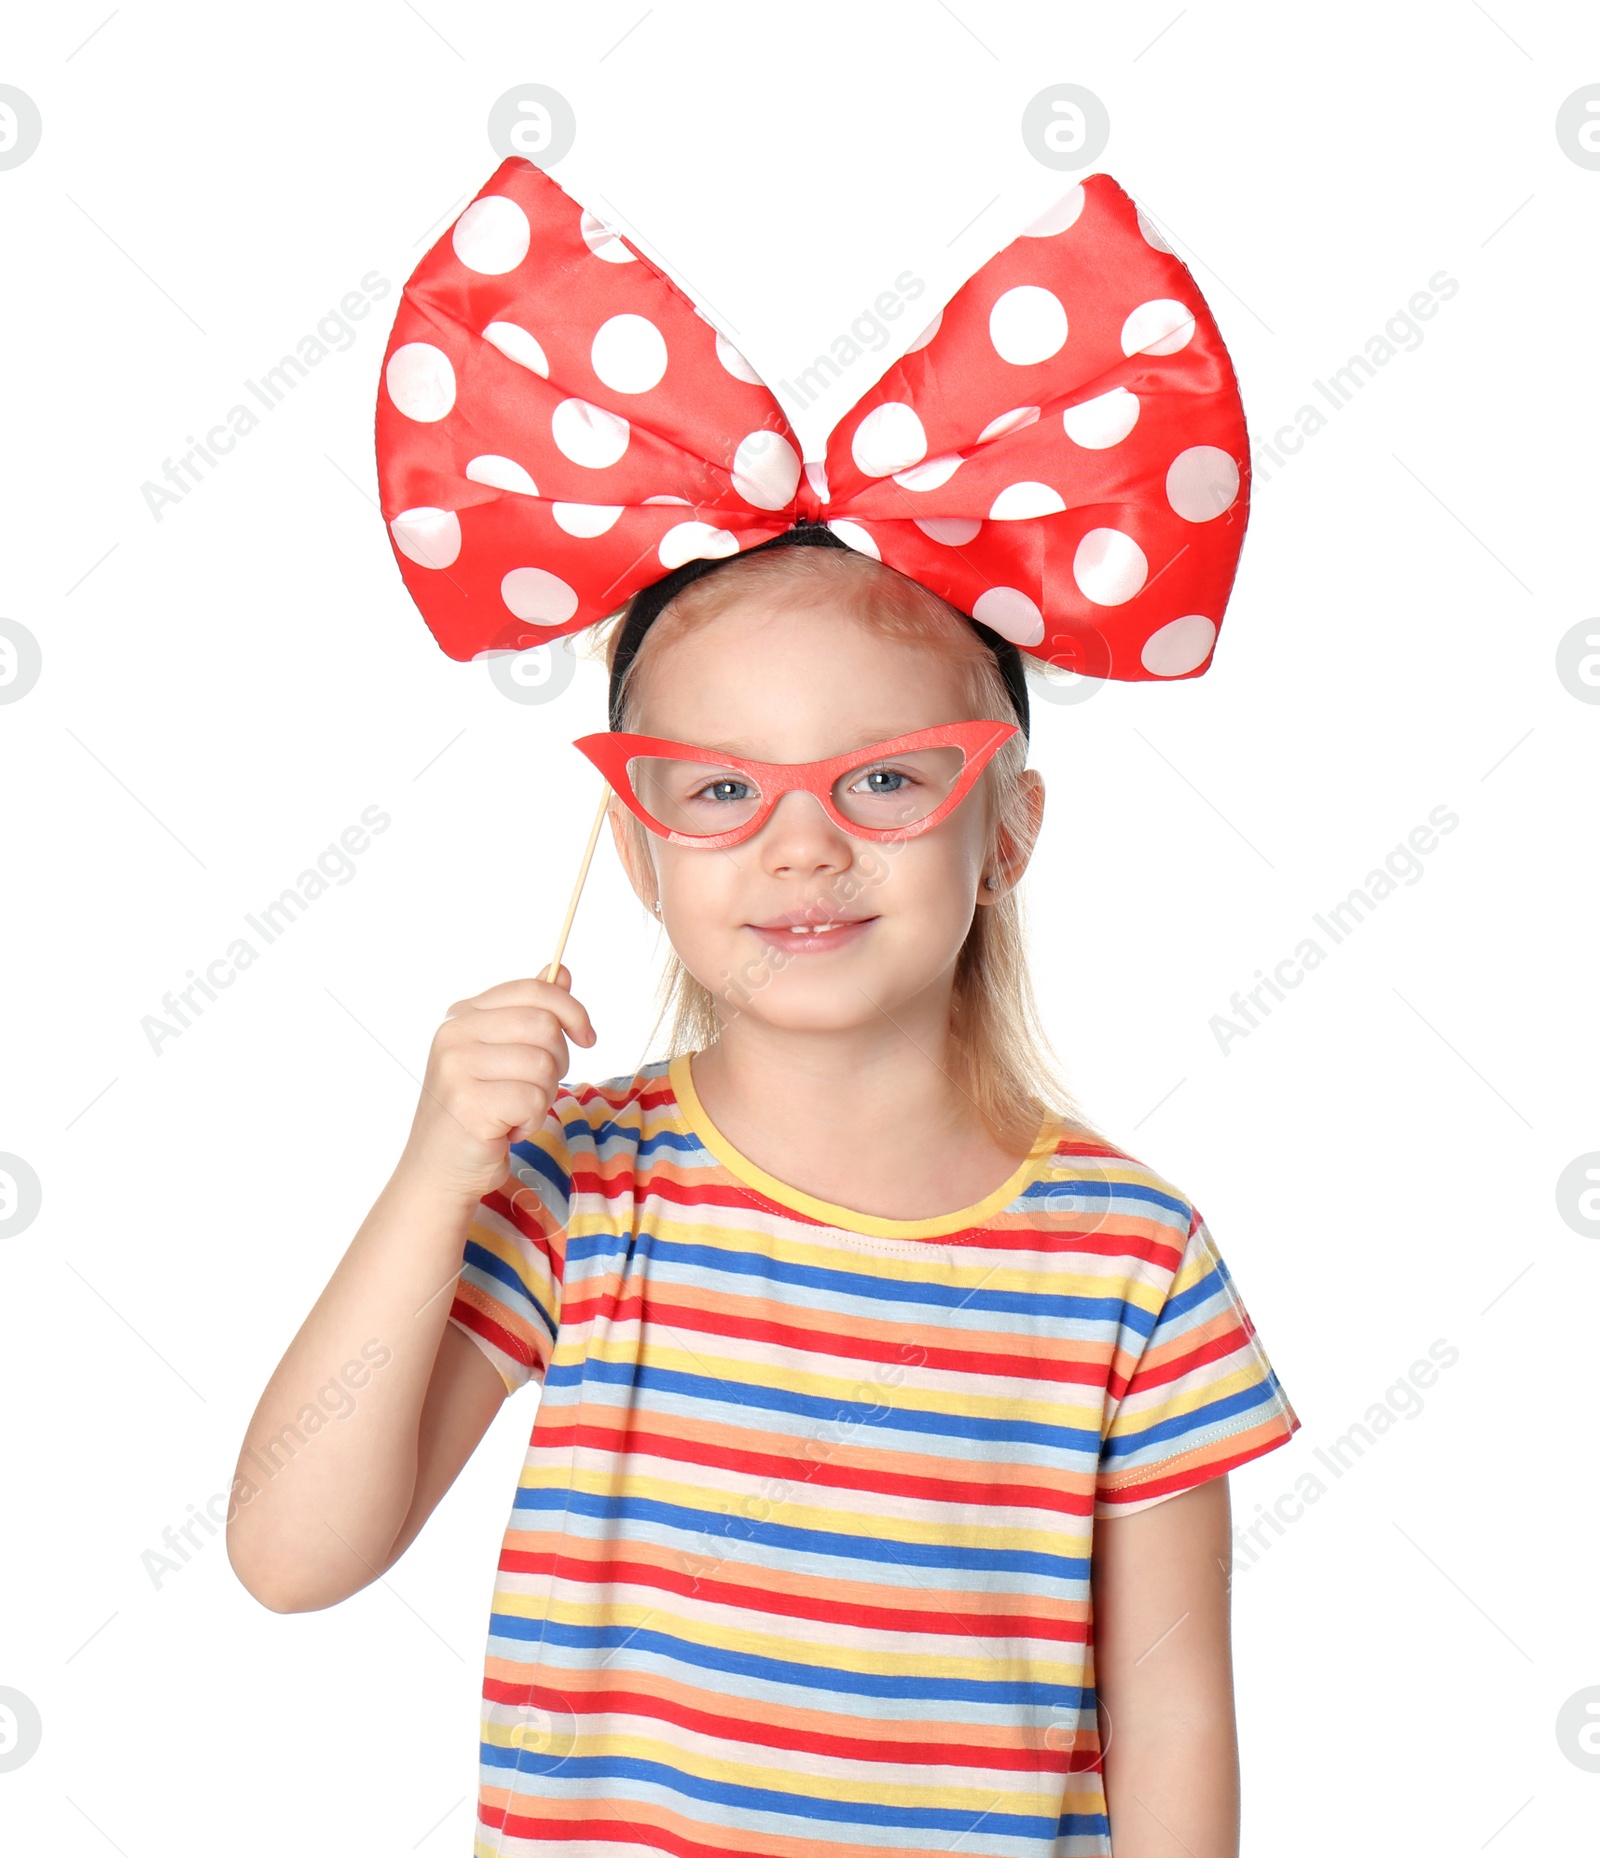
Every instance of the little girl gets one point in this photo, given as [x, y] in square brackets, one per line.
[876, 1496]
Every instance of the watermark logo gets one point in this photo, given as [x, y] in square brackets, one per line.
[335, 866]
[1402, 1400]
[1578, 126]
[1066, 126]
[1066, 679]
[336, 1400]
[533, 121]
[20, 660]
[1403, 865]
[1578, 660]
[333, 334]
[543, 1734]
[536, 674]
[20, 126]
[1578, 1195]
[21, 1729]
[1082, 1732]
[1399, 335]
[1578, 1729]
[1062, 686]
[868, 333]
[1081, 1187]
[21, 1196]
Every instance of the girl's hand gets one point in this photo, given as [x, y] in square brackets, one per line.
[492, 1072]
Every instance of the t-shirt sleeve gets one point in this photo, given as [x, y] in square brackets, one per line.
[508, 1293]
[1200, 1396]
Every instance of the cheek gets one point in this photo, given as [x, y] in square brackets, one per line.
[932, 876]
[961, 844]
[696, 885]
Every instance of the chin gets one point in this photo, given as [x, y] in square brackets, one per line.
[840, 1003]
[807, 1016]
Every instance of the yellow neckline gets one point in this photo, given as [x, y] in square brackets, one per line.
[693, 1111]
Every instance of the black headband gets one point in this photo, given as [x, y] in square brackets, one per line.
[646, 605]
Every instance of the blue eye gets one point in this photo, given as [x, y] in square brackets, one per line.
[718, 790]
[873, 782]
[900, 791]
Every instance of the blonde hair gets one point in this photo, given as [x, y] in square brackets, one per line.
[1002, 1057]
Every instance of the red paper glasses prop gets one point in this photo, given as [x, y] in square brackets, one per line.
[698, 796]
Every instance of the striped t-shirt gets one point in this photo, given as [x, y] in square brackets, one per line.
[798, 1561]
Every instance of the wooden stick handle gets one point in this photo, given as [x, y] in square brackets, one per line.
[577, 889]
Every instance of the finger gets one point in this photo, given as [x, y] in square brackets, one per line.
[563, 980]
[531, 990]
[534, 1022]
[523, 989]
[541, 1064]
[508, 1106]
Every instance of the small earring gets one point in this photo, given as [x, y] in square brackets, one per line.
[991, 883]
[656, 906]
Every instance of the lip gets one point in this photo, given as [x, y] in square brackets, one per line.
[776, 934]
[813, 913]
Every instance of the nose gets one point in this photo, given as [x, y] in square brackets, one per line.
[799, 836]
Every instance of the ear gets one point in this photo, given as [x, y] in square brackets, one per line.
[626, 836]
[1010, 857]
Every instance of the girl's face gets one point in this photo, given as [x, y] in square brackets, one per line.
[802, 684]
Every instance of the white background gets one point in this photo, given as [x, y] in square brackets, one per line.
[226, 689]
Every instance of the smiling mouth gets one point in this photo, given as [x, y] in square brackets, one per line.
[812, 934]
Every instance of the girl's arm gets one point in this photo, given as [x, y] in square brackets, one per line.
[1164, 1675]
[325, 1500]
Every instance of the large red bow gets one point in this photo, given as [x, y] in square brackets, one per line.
[1062, 453]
